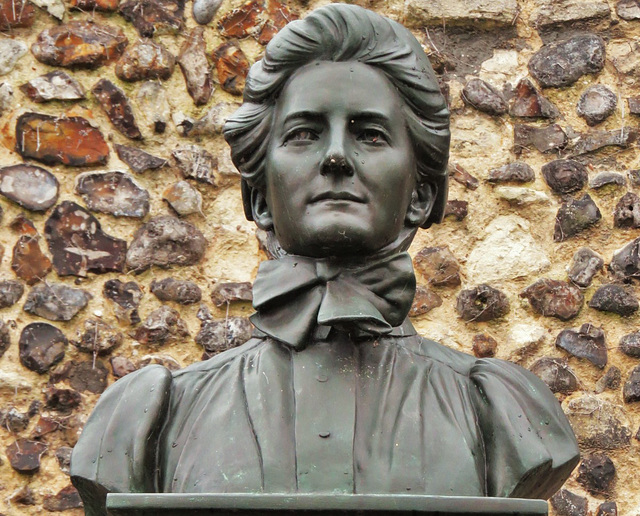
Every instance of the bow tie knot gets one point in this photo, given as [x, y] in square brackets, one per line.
[296, 295]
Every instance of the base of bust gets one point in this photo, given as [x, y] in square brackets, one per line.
[141, 504]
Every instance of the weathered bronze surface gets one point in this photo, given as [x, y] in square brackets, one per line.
[342, 142]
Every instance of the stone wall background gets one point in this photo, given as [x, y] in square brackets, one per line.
[499, 233]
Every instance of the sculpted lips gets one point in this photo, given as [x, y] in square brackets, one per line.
[337, 196]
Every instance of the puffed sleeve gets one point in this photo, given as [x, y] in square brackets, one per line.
[117, 449]
[530, 448]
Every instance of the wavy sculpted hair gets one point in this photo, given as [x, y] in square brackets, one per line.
[341, 32]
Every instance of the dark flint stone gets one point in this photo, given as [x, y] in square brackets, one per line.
[596, 474]
[28, 261]
[24, 455]
[232, 67]
[585, 265]
[596, 104]
[484, 346]
[125, 298]
[628, 9]
[10, 292]
[116, 105]
[587, 342]
[530, 103]
[162, 326]
[596, 140]
[150, 16]
[231, 292]
[218, 335]
[631, 389]
[56, 301]
[611, 380]
[79, 44]
[56, 85]
[34, 408]
[627, 212]
[460, 175]
[607, 509]
[553, 298]
[23, 496]
[556, 374]
[563, 63]
[615, 298]
[630, 344]
[67, 498]
[5, 338]
[625, 263]
[78, 244]
[607, 178]
[41, 346]
[89, 375]
[457, 209]
[565, 176]
[62, 400]
[424, 301]
[22, 225]
[195, 67]
[63, 455]
[115, 193]
[566, 503]
[196, 163]
[516, 172]
[31, 187]
[482, 303]
[165, 241]
[71, 141]
[634, 102]
[44, 426]
[180, 291]
[145, 60]
[574, 216]
[438, 266]
[122, 366]
[545, 139]
[15, 14]
[98, 338]
[484, 97]
[14, 421]
[95, 5]
[139, 160]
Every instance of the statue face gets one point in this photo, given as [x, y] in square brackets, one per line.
[340, 168]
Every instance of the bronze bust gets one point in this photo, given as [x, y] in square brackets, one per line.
[342, 143]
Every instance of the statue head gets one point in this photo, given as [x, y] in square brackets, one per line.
[342, 139]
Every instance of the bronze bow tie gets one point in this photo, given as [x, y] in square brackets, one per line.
[294, 295]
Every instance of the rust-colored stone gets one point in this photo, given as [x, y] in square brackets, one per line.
[78, 244]
[44, 426]
[145, 60]
[243, 21]
[484, 346]
[278, 15]
[438, 266]
[116, 105]
[424, 301]
[95, 5]
[195, 67]
[29, 262]
[459, 174]
[232, 67]
[70, 141]
[79, 43]
[16, 13]
[530, 103]
[24, 455]
[151, 16]
[554, 298]
[67, 498]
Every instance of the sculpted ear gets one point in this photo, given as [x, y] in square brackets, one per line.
[422, 201]
[260, 210]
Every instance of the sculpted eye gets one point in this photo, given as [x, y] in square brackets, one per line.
[301, 135]
[372, 136]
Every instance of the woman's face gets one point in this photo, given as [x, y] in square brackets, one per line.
[340, 167]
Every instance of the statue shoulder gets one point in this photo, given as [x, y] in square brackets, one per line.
[117, 449]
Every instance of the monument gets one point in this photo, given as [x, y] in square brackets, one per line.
[342, 142]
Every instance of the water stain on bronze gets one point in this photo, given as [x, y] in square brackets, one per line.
[54, 140]
[232, 67]
[116, 105]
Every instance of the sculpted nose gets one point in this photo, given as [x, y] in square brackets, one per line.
[335, 160]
